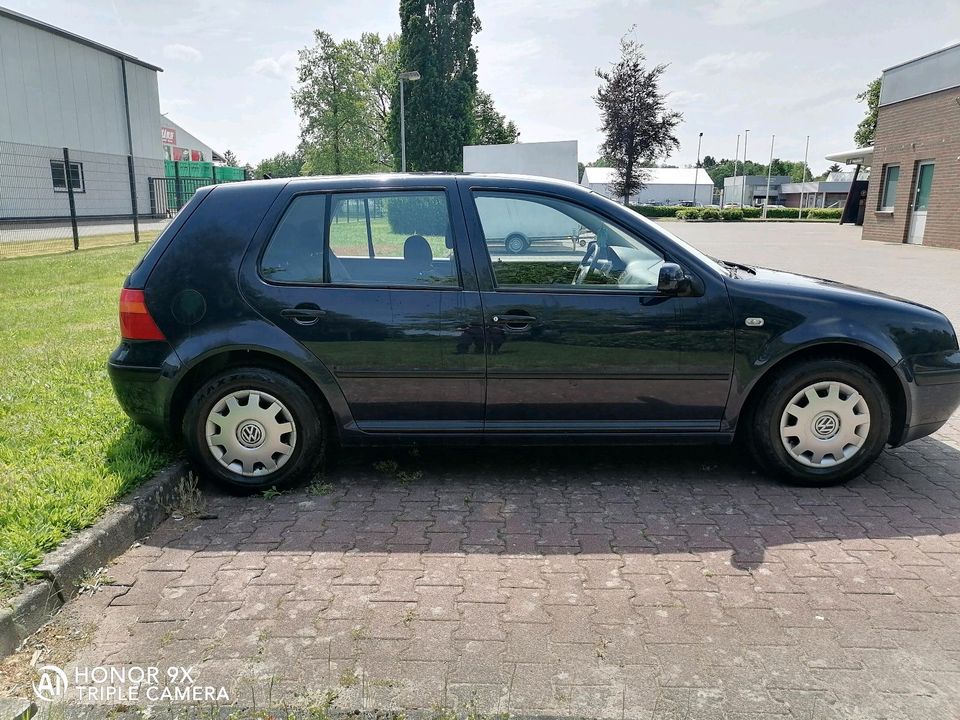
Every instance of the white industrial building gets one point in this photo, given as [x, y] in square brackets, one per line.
[60, 90]
[547, 159]
[662, 186]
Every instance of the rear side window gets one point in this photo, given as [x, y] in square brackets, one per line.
[374, 238]
[391, 238]
[295, 251]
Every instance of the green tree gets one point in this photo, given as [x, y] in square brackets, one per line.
[379, 58]
[490, 126]
[436, 39]
[332, 100]
[868, 126]
[634, 116]
[230, 159]
[281, 165]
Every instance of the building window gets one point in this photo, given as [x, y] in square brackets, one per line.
[888, 192]
[60, 179]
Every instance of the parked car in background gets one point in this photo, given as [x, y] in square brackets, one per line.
[272, 318]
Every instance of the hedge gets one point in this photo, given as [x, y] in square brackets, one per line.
[734, 214]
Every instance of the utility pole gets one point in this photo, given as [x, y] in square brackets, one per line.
[743, 186]
[766, 199]
[804, 179]
[736, 157]
[696, 173]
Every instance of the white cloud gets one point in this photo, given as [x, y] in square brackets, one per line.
[684, 98]
[743, 12]
[724, 62]
[182, 52]
[281, 66]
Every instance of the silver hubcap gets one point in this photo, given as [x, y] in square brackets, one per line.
[825, 424]
[251, 433]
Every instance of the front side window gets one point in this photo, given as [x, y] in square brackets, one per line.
[391, 238]
[537, 241]
[888, 192]
[59, 176]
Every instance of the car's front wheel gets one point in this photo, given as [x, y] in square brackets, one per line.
[821, 422]
[254, 428]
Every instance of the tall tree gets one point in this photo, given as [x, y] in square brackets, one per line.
[868, 126]
[436, 39]
[281, 165]
[230, 159]
[332, 102]
[379, 58]
[490, 126]
[634, 116]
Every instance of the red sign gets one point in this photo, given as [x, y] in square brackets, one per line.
[168, 136]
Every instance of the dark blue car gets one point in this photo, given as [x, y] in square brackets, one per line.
[272, 318]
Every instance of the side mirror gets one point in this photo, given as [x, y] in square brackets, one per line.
[672, 280]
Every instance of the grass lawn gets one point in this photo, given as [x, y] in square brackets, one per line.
[67, 451]
[24, 248]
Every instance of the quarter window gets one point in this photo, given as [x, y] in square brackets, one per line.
[539, 241]
[888, 193]
[60, 177]
[295, 252]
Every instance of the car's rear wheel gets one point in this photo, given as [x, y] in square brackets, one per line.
[821, 422]
[254, 428]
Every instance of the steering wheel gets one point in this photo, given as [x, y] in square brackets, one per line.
[587, 263]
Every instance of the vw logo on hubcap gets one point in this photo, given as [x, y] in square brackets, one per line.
[250, 433]
[826, 425]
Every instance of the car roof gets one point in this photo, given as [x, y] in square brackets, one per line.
[501, 180]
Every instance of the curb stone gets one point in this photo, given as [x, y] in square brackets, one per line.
[15, 709]
[62, 571]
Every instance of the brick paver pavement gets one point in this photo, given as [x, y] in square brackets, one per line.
[603, 583]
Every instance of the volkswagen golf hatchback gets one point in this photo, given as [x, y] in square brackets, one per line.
[272, 318]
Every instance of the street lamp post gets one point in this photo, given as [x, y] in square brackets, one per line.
[743, 185]
[410, 75]
[696, 172]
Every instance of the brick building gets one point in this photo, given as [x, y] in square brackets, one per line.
[914, 190]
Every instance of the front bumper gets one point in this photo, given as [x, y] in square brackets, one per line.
[934, 386]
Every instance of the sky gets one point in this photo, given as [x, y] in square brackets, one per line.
[789, 68]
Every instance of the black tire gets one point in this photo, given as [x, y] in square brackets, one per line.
[764, 436]
[516, 243]
[311, 432]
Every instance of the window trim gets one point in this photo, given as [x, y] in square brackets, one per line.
[883, 188]
[568, 289]
[325, 242]
[66, 176]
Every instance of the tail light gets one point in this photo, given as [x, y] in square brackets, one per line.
[135, 320]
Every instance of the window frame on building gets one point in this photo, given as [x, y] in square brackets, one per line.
[882, 205]
[78, 187]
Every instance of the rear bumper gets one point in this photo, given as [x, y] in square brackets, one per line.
[934, 382]
[143, 390]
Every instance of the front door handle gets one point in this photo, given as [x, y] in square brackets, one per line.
[304, 314]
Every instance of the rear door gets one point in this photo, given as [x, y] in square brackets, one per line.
[373, 281]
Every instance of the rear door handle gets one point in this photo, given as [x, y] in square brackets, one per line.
[303, 314]
[526, 319]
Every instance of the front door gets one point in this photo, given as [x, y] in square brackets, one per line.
[370, 282]
[921, 198]
[577, 336]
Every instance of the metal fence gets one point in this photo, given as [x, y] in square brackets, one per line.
[61, 199]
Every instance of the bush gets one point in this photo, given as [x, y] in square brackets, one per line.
[710, 214]
[656, 211]
[418, 214]
[688, 213]
[731, 214]
[824, 213]
[750, 212]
